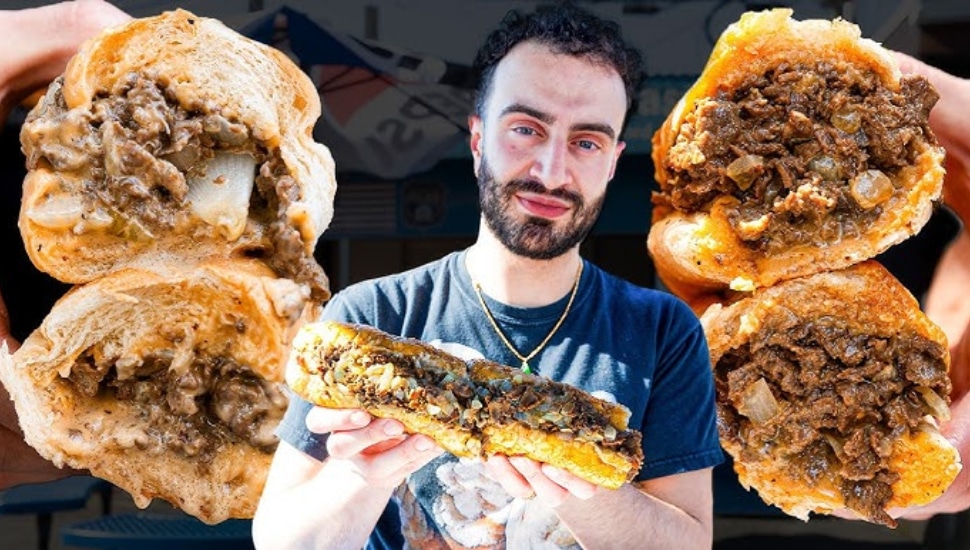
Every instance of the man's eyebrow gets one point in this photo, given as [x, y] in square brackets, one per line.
[547, 118]
[532, 112]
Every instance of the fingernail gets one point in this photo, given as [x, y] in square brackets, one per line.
[423, 444]
[360, 418]
[393, 428]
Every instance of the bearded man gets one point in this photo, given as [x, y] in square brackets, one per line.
[556, 87]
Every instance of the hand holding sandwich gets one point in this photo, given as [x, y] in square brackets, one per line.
[376, 450]
[46, 37]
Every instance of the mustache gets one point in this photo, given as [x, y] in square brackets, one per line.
[533, 186]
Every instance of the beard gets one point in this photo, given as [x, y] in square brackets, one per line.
[535, 238]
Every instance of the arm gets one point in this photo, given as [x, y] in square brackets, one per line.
[336, 503]
[670, 512]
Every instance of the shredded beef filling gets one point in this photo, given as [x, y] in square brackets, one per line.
[842, 398]
[810, 152]
[381, 378]
[214, 402]
[132, 152]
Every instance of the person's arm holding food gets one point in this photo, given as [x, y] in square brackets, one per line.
[46, 38]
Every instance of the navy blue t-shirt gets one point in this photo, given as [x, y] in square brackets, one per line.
[642, 348]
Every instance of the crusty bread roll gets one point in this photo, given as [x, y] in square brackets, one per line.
[150, 142]
[799, 149]
[472, 409]
[829, 393]
[167, 383]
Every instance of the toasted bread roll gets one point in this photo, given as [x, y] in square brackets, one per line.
[167, 383]
[829, 393]
[174, 135]
[472, 409]
[799, 149]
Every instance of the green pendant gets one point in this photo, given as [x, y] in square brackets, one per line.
[525, 367]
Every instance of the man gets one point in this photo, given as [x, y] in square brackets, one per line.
[46, 37]
[555, 90]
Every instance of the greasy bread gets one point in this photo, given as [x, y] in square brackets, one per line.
[467, 407]
[119, 146]
[167, 383]
[829, 393]
[757, 162]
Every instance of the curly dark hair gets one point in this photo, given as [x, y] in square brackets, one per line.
[566, 29]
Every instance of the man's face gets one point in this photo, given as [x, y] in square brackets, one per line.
[545, 148]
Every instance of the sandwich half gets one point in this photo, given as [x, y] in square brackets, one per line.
[175, 135]
[801, 148]
[830, 392]
[166, 382]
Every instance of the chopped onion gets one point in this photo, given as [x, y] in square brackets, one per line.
[57, 212]
[758, 403]
[937, 404]
[834, 442]
[847, 119]
[826, 167]
[871, 188]
[744, 170]
[220, 195]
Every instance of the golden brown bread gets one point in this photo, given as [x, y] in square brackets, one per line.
[120, 149]
[830, 387]
[790, 155]
[467, 407]
[167, 383]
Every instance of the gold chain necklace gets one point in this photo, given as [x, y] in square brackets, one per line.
[525, 358]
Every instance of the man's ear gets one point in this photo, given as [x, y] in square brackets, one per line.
[475, 140]
[620, 146]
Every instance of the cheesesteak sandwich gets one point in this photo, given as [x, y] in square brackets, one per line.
[472, 409]
[800, 148]
[171, 175]
[174, 135]
[166, 382]
[830, 389]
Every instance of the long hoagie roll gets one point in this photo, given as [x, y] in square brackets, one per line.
[472, 409]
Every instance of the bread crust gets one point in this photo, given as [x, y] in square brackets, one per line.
[345, 366]
[235, 311]
[698, 254]
[864, 299]
[204, 67]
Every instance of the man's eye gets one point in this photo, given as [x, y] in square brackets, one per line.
[524, 130]
[587, 144]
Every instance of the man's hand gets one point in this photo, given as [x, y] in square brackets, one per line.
[376, 450]
[525, 478]
[45, 38]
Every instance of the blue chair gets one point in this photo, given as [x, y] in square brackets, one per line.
[43, 499]
[148, 531]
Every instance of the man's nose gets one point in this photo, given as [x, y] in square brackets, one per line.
[550, 165]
